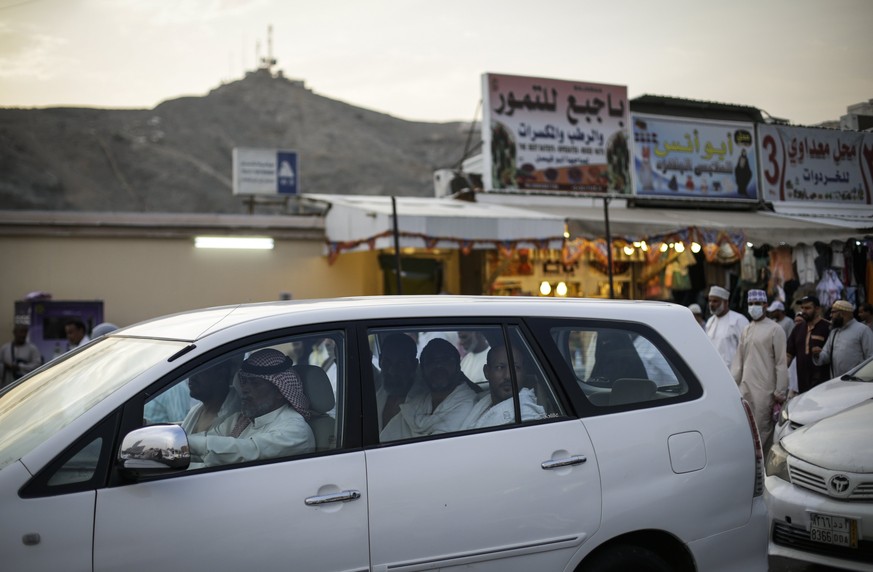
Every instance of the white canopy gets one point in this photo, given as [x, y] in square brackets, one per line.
[366, 222]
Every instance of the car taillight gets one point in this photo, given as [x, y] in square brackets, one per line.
[759, 450]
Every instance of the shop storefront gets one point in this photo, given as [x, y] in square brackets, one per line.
[707, 193]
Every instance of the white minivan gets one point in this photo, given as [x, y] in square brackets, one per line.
[391, 433]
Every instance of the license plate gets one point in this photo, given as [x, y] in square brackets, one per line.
[830, 529]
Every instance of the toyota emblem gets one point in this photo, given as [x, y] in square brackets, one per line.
[839, 484]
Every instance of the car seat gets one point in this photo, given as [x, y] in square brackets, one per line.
[317, 388]
[631, 390]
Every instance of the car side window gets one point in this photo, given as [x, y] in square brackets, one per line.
[617, 366]
[80, 467]
[277, 399]
[432, 381]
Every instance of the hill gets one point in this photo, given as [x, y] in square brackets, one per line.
[177, 157]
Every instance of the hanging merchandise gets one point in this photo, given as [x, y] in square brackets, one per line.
[677, 271]
[804, 257]
[829, 289]
[781, 271]
[748, 268]
[822, 257]
[838, 258]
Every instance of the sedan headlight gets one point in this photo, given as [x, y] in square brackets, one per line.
[777, 463]
[783, 415]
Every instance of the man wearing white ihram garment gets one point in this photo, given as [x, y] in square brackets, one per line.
[476, 346]
[497, 406]
[444, 407]
[759, 366]
[724, 326]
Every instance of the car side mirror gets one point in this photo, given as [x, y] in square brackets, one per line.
[154, 450]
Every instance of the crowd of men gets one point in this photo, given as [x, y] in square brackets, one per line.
[773, 358]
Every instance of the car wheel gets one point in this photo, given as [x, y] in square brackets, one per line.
[626, 557]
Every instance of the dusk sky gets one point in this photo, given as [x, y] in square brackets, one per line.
[804, 60]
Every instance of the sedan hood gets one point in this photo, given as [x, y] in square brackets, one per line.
[843, 442]
[828, 398]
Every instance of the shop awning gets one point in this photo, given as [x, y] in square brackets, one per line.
[585, 219]
[355, 222]
[858, 219]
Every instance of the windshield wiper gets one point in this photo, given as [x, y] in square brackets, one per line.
[848, 377]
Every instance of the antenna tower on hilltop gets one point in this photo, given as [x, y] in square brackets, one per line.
[268, 62]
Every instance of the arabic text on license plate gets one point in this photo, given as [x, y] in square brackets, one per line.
[831, 529]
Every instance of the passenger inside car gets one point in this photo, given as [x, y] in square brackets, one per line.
[398, 369]
[272, 421]
[497, 407]
[615, 358]
[216, 396]
[446, 404]
[476, 347]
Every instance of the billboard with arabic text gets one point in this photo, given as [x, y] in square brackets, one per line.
[554, 135]
[694, 158]
[814, 166]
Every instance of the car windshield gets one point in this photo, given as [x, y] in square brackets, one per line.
[52, 398]
[863, 373]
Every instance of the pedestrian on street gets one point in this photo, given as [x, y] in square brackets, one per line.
[808, 335]
[759, 365]
[865, 314]
[724, 326]
[776, 312]
[18, 357]
[849, 343]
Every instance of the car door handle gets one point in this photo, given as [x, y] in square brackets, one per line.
[569, 461]
[341, 496]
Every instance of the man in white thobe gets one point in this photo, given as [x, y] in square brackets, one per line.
[849, 343]
[444, 407]
[759, 366]
[271, 423]
[497, 407]
[724, 326]
[473, 362]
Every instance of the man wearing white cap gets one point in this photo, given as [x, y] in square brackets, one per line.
[759, 366]
[698, 314]
[776, 312]
[849, 343]
[724, 326]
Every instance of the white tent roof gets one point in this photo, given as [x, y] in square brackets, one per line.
[444, 222]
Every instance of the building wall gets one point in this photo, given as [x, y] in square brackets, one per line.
[140, 278]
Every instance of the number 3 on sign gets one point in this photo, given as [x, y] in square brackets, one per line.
[773, 177]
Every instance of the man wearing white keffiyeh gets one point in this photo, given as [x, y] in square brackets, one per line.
[272, 418]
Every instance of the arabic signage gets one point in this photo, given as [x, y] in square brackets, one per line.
[801, 164]
[694, 158]
[554, 135]
[265, 172]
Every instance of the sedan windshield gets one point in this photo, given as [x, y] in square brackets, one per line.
[864, 372]
[52, 398]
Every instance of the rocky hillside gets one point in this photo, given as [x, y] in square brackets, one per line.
[177, 156]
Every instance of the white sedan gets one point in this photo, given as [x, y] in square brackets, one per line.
[825, 399]
[819, 491]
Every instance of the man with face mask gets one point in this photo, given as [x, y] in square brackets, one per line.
[806, 336]
[849, 343]
[759, 365]
[446, 404]
[724, 326]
